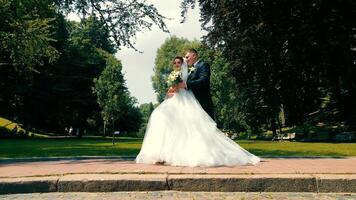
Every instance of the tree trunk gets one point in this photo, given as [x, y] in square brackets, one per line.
[104, 129]
[274, 129]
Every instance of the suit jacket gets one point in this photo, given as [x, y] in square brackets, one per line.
[199, 82]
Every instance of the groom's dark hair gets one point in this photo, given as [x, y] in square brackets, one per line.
[192, 50]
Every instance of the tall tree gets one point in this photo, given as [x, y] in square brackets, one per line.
[60, 96]
[44, 59]
[112, 94]
[145, 109]
[290, 53]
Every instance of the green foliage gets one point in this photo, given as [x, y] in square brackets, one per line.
[94, 32]
[285, 55]
[26, 33]
[48, 64]
[27, 26]
[224, 98]
[117, 106]
[145, 109]
[112, 94]
[132, 121]
[123, 18]
[61, 95]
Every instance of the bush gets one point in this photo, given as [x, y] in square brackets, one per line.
[4, 132]
[142, 131]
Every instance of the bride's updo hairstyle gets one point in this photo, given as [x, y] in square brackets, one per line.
[179, 58]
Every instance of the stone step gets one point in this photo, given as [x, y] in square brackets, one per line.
[181, 182]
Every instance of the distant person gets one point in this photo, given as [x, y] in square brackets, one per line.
[71, 130]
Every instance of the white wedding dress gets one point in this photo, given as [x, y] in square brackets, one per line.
[181, 133]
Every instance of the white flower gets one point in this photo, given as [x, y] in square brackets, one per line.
[191, 69]
[174, 78]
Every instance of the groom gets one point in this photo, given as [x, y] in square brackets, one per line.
[199, 81]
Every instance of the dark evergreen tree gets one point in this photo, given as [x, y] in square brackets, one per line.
[295, 55]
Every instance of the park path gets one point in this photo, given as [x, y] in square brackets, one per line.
[112, 166]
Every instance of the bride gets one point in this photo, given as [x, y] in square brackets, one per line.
[180, 133]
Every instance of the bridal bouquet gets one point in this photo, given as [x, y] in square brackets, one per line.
[174, 78]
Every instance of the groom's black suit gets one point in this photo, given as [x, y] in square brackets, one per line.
[199, 82]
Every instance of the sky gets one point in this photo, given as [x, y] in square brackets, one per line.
[138, 67]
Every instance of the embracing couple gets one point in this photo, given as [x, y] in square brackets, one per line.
[181, 131]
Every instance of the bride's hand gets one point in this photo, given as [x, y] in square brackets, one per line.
[171, 90]
[170, 94]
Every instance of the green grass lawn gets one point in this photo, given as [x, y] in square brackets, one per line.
[97, 146]
[286, 148]
[47, 147]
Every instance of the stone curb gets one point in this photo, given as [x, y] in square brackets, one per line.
[158, 182]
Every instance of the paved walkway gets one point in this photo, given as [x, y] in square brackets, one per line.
[112, 166]
[111, 175]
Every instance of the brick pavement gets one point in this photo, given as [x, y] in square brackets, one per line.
[267, 166]
[112, 175]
